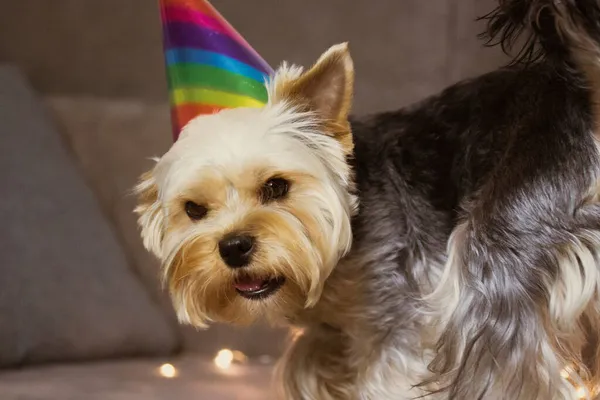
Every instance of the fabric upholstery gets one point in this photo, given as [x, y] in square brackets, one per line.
[66, 289]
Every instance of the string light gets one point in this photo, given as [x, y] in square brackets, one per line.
[295, 333]
[168, 371]
[265, 359]
[582, 393]
[239, 357]
[223, 359]
[570, 374]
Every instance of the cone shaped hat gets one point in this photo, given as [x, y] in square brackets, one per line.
[209, 65]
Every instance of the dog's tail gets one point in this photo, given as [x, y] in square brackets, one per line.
[565, 31]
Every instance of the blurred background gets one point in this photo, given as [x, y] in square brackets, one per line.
[83, 108]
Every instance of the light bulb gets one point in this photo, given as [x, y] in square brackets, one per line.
[265, 359]
[582, 392]
[168, 371]
[239, 357]
[224, 358]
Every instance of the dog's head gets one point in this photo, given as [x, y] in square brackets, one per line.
[249, 211]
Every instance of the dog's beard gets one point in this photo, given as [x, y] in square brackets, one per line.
[289, 262]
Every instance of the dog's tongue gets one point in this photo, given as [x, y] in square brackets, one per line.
[248, 285]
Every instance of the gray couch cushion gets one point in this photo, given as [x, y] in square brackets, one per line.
[66, 291]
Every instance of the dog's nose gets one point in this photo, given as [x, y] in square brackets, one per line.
[236, 250]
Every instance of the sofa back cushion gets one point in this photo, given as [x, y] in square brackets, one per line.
[66, 290]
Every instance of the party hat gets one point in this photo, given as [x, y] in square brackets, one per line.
[209, 65]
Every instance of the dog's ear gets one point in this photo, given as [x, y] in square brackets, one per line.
[150, 213]
[325, 89]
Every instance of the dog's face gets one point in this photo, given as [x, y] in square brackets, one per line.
[249, 211]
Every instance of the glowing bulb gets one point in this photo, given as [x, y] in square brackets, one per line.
[582, 393]
[295, 333]
[265, 359]
[224, 359]
[168, 371]
[239, 357]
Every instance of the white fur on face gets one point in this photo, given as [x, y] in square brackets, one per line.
[228, 145]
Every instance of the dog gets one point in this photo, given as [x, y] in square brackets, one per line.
[448, 250]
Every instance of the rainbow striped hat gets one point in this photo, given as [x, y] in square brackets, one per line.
[209, 65]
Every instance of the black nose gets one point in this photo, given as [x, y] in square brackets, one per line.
[236, 250]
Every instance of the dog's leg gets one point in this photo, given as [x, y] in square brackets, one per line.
[315, 367]
[519, 287]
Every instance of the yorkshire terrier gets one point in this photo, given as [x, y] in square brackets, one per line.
[448, 250]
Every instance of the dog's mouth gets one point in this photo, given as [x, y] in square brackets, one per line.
[256, 288]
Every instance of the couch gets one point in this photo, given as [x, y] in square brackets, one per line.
[81, 316]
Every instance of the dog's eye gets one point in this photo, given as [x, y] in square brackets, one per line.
[195, 211]
[274, 189]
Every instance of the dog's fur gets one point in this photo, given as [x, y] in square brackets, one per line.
[473, 271]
